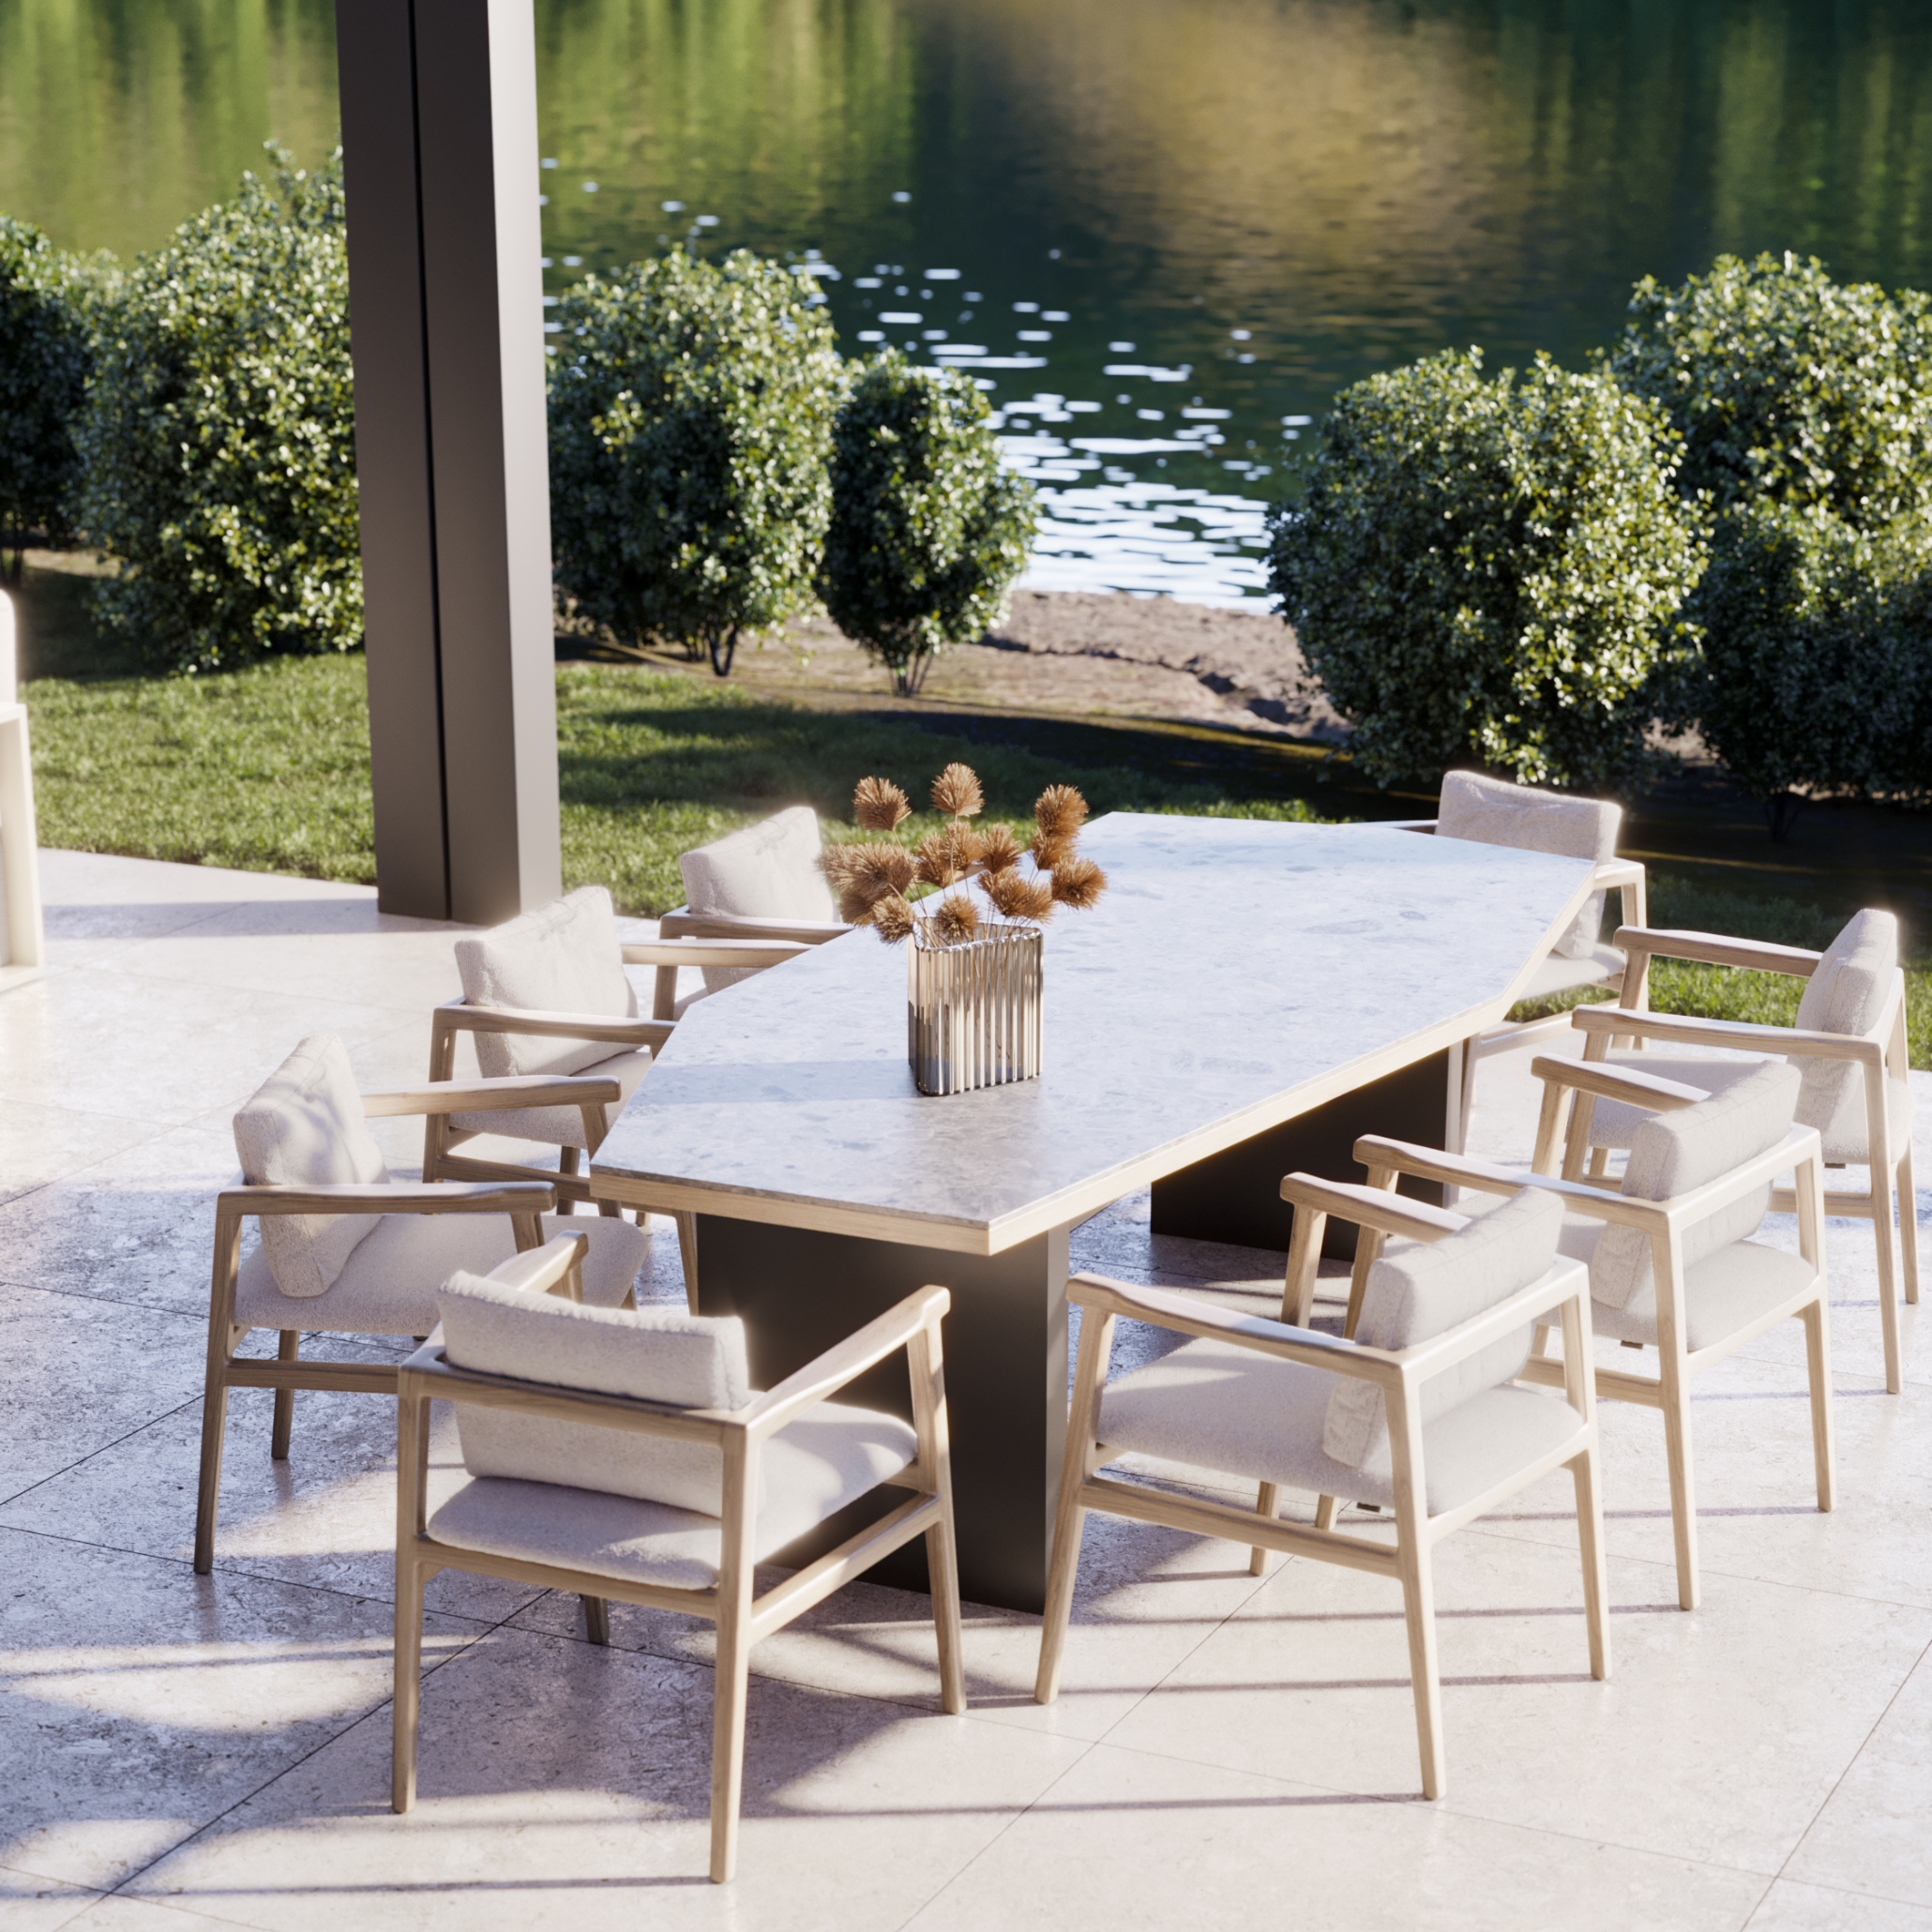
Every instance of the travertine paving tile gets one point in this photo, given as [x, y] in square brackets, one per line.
[562, 1785]
[1140, 1842]
[1874, 1833]
[29, 1903]
[326, 1517]
[40, 1144]
[1789, 1906]
[1765, 1690]
[145, 1700]
[133, 1369]
[117, 1912]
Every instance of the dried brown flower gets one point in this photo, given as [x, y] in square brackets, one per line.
[1077, 882]
[1052, 850]
[1060, 811]
[955, 791]
[955, 919]
[862, 873]
[1019, 896]
[939, 859]
[879, 805]
[893, 917]
[999, 849]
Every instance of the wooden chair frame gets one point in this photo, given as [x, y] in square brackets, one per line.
[1881, 1054]
[1401, 1376]
[1665, 1222]
[523, 1201]
[738, 1435]
[441, 1138]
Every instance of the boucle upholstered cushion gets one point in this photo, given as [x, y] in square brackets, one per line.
[769, 870]
[303, 1128]
[1425, 1291]
[388, 1285]
[1211, 1406]
[810, 1471]
[1846, 994]
[657, 1354]
[1491, 812]
[1670, 1154]
[563, 958]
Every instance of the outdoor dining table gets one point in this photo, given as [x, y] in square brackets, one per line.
[1247, 998]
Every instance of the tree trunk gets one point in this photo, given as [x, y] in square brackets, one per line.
[1781, 813]
[909, 680]
[724, 649]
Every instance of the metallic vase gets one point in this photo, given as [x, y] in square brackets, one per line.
[972, 1011]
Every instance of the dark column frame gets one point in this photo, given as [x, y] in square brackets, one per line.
[439, 136]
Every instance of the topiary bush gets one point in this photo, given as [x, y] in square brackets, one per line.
[218, 434]
[690, 423]
[1489, 569]
[44, 359]
[1805, 406]
[927, 531]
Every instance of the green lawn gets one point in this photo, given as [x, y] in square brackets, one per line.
[267, 770]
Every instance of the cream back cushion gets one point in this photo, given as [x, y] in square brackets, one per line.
[1425, 1291]
[303, 1128]
[563, 958]
[769, 870]
[1491, 812]
[1673, 1153]
[1846, 994]
[659, 1355]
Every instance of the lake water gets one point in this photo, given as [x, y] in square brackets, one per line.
[1162, 233]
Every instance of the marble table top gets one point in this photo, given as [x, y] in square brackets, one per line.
[1237, 973]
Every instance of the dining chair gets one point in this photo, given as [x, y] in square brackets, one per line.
[623, 1454]
[346, 1250]
[1419, 1413]
[1492, 811]
[22, 931]
[1673, 1262]
[762, 883]
[547, 994]
[1848, 1043]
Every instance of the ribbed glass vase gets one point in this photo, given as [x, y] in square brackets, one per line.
[972, 1011]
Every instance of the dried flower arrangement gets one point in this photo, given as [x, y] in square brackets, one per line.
[874, 881]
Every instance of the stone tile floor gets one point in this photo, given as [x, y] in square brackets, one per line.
[1229, 1750]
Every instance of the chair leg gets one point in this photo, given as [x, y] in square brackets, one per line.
[1589, 1536]
[566, 1164]
[1419, 1611]
[688, 1254]
[1069, 1530]
[1883, 1200]
[1326, 1509]
[1683, 1494]
[1908, 1223]
[731, 1681]
[596, 1619]
[407, 1702]
[208, 1488]
[943, 1574]
[288, 1348]
[1817, 1364]
[1264, 1506]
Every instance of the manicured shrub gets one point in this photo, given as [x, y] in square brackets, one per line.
[1489, 570]
[44, 358]
[690, 412]
[1817, 655]
[1805, 406]
[928, 530]
[218, 434]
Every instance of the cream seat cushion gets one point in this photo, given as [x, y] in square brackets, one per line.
[769, 870]
[1492, 811]
[303, 1128]
[561, 1126]
[389, 1283]
[1211, 1406]
[563, 958]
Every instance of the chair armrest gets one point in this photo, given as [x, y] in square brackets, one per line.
[826, 1374]
[492, 1096]
[1646, 1090]
[1184, 1315]
[1612, 873]
[393, 1198]
[619, 1030]
[752, 953]
[684, 924]
[1371, 1207]
[1432, 1164]
[1687, 1031]
[1715, 949]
